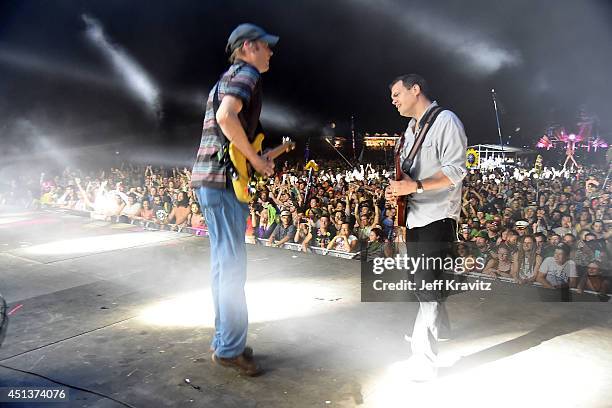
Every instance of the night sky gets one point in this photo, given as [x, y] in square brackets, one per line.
[334, 59]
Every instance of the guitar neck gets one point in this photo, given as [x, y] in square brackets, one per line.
[278, 150]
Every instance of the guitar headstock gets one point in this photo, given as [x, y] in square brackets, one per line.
[288, 144]
[285, 147]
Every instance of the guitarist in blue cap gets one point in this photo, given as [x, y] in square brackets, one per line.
[232, 116]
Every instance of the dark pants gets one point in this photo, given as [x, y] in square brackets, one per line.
[432, 241]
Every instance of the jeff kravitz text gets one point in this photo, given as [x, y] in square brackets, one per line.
[456, 265]
[450, 285]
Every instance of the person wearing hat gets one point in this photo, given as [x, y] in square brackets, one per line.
[284, 232]
[232, 115]
[521, 227]
[465, 233]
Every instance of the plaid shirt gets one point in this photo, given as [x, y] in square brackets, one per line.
[241, 80]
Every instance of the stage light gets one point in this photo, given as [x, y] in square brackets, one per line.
[492, 377]
[100, 243]
[190, 310]
[599, 143]
[11, 220]
[135, 77]
[481, 52]
[34, 62]
[279, 115]
[17, 214]
[264, 299]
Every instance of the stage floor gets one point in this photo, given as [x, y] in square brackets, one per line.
[127, 313]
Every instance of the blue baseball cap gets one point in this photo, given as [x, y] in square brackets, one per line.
[249, 32]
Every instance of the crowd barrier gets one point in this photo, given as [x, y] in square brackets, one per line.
[315, 250]
[536, 285]
[153, 226]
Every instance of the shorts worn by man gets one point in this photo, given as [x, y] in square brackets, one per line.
[434, 184]
[232, 115]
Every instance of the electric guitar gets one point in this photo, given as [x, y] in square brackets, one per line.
[400, 209]
[244, 180]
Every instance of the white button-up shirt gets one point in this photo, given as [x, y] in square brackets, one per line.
[443, 149]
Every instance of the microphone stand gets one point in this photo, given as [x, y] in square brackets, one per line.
[308, 185]
[501, 143]
[353, 135]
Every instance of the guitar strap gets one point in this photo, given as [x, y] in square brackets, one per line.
[217, 103]
[424, 126]
[223, 154]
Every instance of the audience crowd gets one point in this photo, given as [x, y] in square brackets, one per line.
[529, 225]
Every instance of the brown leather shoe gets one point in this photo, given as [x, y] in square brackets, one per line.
[241, 363]
[247, 352]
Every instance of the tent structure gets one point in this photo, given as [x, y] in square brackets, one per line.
[491, 152]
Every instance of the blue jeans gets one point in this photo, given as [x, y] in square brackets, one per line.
[226, 220]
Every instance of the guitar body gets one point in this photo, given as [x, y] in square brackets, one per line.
[400, 205]
[400, 217]
[243, 177]
[400, 212]
[244, 172]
